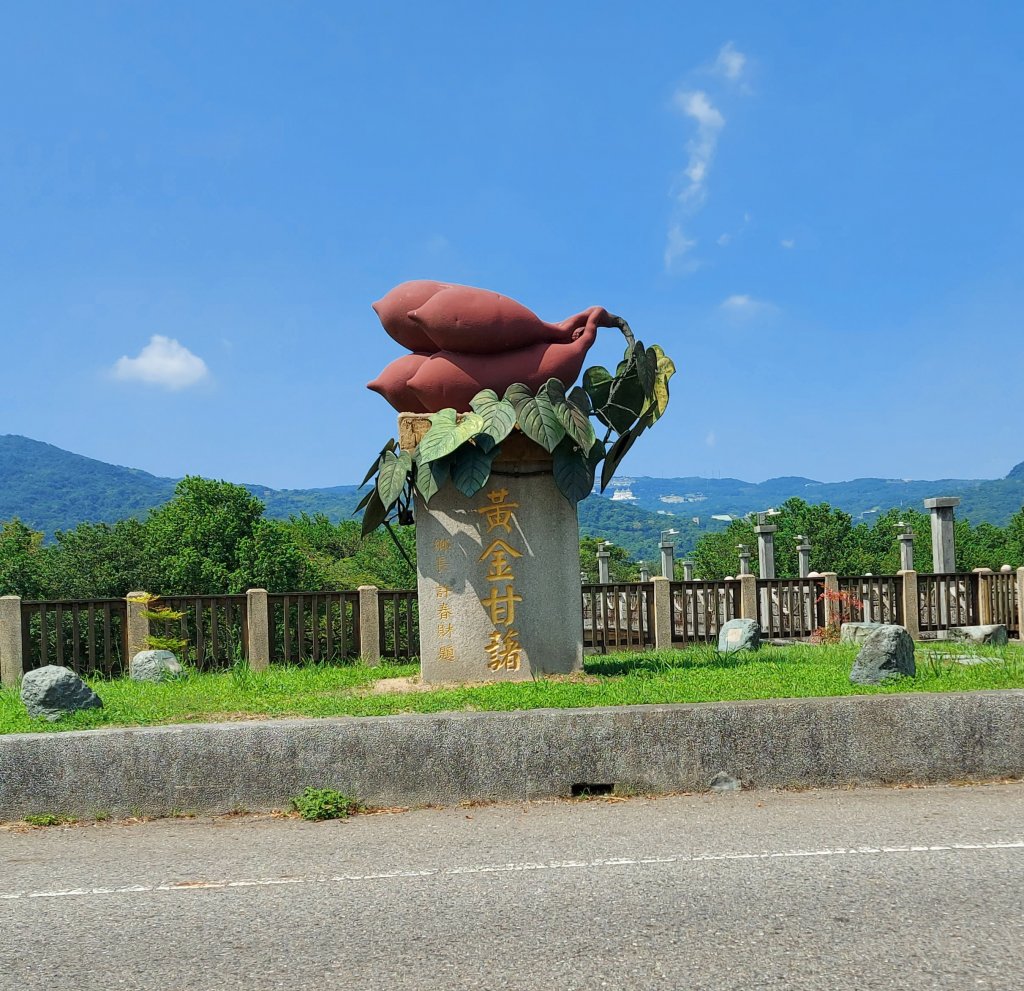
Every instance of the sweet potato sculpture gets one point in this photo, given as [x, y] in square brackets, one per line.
[481, 365]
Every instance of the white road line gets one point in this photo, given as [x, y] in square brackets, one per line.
[553, 865]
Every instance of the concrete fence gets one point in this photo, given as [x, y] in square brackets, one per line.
[99, 636]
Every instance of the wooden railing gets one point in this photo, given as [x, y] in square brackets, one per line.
[215, 627]
[701, 608]
[88, 637]
[947, 600]
[790, 608]
[1003, 593]
[618, 616]
[398, 615]
[313, 626]
[877, 598]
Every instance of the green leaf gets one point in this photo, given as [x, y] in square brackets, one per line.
[577, 425]
[579, 398]
[645, 370]
[618, 451]
[431, 475]
[539, 421]
[387, 448]
[365, 500]
[499, 417]
[391, 478]
[483, 397]
[468, 427]
[626, 403]
[554, 389]
[472, 469]
[574, 476]
[375, 514]
[518, 395]
[441, 439]
[665, 369]
[597, 382]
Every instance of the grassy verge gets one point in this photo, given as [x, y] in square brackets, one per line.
[698, 674]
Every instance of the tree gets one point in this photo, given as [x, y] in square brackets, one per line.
[1015, 539]
[197, 541]
[21, 560]
[270, 559]
[98, 561]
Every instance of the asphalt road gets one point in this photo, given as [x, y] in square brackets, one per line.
[902, 888]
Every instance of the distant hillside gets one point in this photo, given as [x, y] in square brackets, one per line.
[992, 500]
[51, 489]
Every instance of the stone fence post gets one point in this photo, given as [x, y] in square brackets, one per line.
[137, 624]
[369, 625]
[748, 597]
[1020, 603]
[10, 641]
[662, 613]
[832, 613]
[911, 605]
[257, 612]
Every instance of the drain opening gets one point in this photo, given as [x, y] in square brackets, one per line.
[585, 790]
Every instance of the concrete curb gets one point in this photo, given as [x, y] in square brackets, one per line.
[453, 757]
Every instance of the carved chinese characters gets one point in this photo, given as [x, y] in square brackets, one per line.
[503, 648]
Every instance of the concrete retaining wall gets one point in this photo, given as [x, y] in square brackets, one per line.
[453, 757]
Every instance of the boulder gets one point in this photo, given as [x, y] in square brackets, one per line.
[994, 634]
[52, 691]
[886, 652]
[739, 634]
[154, 665]
[856, 632]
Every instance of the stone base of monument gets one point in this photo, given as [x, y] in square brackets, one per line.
[498, 573]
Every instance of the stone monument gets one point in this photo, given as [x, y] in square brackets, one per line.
[494, 451]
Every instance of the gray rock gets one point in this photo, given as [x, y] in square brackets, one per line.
[739, 634]
[154, 665]
[994, 634]
[724, 782]
[52, 691]
[856, 632]
[886, 653]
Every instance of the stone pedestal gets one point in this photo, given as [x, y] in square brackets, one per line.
[766, 549]
[943, 534]
[498, 573]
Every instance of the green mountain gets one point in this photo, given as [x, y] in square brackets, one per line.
[994, 501]
[51, 489]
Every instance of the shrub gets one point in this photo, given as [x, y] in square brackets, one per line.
[319, 804]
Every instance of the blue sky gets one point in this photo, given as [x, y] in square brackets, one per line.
[817, 209]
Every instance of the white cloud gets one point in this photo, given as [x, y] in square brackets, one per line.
[164, 362]
[742, 305]
[707, 122]
[701, 147]
[788, 242]
[712, 438]
[730, 62]
[676, 249]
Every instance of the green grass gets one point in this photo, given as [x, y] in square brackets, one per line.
[698, 674]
